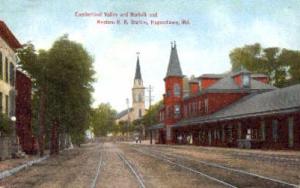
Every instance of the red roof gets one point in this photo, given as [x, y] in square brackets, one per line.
[8, 36]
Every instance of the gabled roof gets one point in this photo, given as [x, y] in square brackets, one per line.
[225, 83]
[138, 75]
[8, 36]
[211, 76]
[278, 99]
[123, 113]
[228, 83]
[272, 102]
[174, 68]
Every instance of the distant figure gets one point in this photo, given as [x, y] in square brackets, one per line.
[136, 139]
[140, 139]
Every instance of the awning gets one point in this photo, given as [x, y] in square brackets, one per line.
[157, 126]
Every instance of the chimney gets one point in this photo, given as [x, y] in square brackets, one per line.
[193, 86]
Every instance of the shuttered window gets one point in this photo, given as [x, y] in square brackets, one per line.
[6, 70]
[1, 103]
[6, 104]
[1, 66]
[12, 74]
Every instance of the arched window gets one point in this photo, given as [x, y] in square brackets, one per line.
[176, 90]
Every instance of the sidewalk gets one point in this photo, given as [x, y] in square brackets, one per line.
[11, 166]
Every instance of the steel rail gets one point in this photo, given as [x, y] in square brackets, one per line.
[232, 169]
[94, 182]
[138, 177]
[229, 169]
[187, 168]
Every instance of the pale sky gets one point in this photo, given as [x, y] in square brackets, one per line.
[216, 27]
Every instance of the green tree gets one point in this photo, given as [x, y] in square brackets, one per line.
[36, 65]
[62, 84]
[281, 65]
[70, 78]
[103, 120]
[151, 117]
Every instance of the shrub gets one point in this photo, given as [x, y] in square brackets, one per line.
[5, 125]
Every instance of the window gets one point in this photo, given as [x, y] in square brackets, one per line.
[6, 70]
[176, 90]
[169, 93]
[6, 104]
[1, 105]
[185, 110]
[12, 74]
[1, 66]
[140, 113]
[246, 80]
[275, 130]
[199, 106]
[206, 105]
[177, 110]
[291, 131]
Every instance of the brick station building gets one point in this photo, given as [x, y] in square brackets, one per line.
[236, 109]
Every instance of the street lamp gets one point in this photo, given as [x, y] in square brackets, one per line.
[15, 143]
[13, 118]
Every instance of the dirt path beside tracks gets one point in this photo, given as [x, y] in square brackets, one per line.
[105, 165]
[282, 166]
[72, 168]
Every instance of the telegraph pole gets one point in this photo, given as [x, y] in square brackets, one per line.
[128, 118]
[150, 89]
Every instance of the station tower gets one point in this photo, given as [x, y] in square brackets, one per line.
[173, 92]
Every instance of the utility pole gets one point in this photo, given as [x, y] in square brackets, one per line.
[150, 89]
[128, 118]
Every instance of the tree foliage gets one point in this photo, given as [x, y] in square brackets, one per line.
[70, 86]
[62, 82]
[103, 120]
[5, 125]
[281, 65]
[151, 117]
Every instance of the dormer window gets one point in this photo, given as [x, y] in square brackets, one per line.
[246, 80]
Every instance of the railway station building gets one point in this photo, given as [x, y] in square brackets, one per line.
[235, 109]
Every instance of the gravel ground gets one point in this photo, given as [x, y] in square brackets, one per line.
[72, 168]
[114, 173]
[78, 167]
[247, 160]
[160, 174]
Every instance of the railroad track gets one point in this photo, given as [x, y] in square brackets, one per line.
[100, 163]
[278, 158]
[133, 170]
[226, 176]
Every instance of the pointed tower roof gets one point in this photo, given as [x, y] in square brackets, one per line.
[174, 68]
[138, 75]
